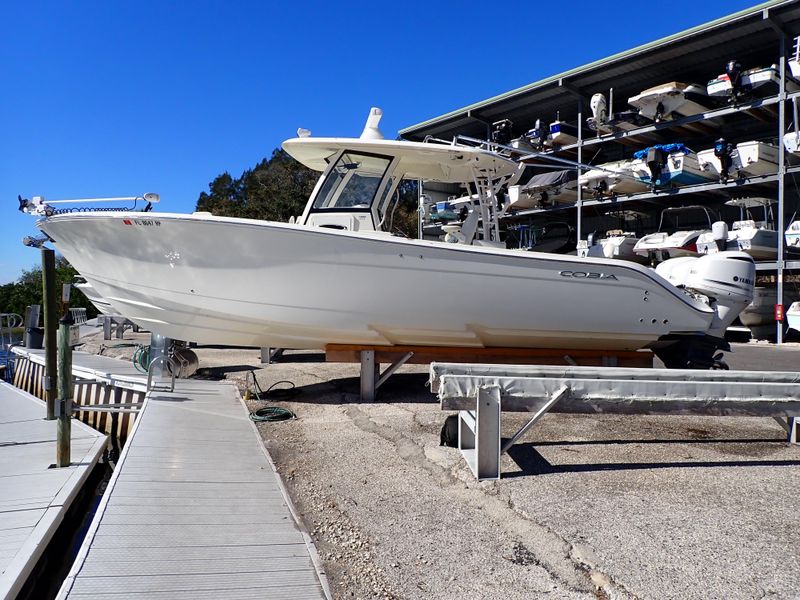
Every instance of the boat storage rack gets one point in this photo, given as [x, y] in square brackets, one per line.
[482, 392]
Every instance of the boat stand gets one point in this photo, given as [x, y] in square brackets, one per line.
[371, 357]
[482, 392]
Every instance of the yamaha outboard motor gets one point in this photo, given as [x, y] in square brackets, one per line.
[656, 161]
[734, 72]
[719, 231]
[724, 152]
[726, 280]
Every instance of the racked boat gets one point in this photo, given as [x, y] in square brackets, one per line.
[758, 238]
[792, 235]
[545, 189]
[738, 84]
[793, 316]
[611, 179]
[337, 277]
[747, 159]
[670, 101]
[663, 245]
[666, 165]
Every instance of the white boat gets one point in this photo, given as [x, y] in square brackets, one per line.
[759, 315]
[336, 277]
[792, 235]
[545, 189]
[562, 134]
[793, 316]
[667, 165]
[611, 179]
[758, 238]
[746, 159]
[663, 245]
[738, 84]
[616, 243]
[670, 101]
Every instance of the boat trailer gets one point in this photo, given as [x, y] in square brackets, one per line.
[481, 392]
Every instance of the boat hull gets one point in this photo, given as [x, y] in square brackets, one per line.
[240, 282]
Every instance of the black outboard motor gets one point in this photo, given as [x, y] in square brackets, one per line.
[502, 132]
[656, 161]
[734, 72]
[724, 152]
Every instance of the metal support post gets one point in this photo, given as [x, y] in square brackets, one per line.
[49, 300]
[369, 375]
[64, 402]
[558, 395]
[159, 347]
[579, 200]
[106, 327]
[781, 178]
[479, 434]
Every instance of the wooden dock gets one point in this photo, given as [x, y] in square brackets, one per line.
[195, 509]
[34, 497]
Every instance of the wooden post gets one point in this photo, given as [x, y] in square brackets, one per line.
[49, 301]
[64, 412]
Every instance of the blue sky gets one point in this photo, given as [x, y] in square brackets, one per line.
[120, 98]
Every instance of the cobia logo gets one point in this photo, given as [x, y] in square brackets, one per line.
[587, 275]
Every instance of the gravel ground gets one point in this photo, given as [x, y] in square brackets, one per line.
[588, 507]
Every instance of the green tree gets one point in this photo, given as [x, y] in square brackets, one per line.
[27, 290]
[278, 188]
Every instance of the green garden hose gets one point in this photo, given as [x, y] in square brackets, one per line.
[269, 414]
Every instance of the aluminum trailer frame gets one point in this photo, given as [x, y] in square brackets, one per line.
[482, 392]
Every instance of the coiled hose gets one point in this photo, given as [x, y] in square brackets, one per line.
[269, 414]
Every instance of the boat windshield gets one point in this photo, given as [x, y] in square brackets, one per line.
[353, 182]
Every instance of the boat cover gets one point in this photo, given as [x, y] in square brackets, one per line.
[551, 179]
[668, 148]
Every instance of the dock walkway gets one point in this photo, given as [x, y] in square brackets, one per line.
[34, 497]
[195, 509]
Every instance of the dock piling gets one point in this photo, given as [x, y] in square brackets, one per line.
[64, 402]
[50, 327]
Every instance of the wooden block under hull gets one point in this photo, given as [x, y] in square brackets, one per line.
[523, 356]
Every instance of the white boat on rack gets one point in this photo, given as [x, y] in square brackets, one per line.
[746, 159]
[670, 101]
[793, 316]
[758, 238]
[545, 189]
[737, 84]
[611, 179]
[792, 235]
[666, 165]
[664, 245]
[616, 243]
[336, 277]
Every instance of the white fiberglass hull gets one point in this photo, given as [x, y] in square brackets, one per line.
[242, 282]
[750, 159]
[680, 243]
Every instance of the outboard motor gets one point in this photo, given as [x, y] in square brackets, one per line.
[538, 134]
[734, 72]
[599, 108]
[727, 281]
[724, 152]
[719, 231]
[656, 161]
[502, 132]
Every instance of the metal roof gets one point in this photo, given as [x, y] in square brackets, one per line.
[749, 36]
